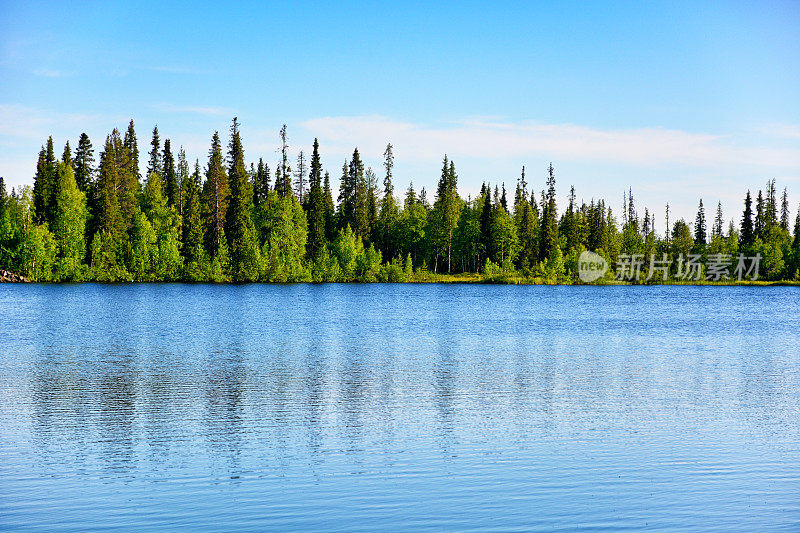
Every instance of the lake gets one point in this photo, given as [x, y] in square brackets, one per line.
[412, 407]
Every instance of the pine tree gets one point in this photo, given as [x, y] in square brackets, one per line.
[170, 177]
[84, 163]
[747, 229]
[316, 207]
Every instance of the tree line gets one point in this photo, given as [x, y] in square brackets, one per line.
[88, 219]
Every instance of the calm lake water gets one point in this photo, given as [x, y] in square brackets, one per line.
[352, 407]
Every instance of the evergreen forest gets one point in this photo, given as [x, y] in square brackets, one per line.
[93, 214]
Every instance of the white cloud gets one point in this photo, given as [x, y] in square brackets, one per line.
[648, 147]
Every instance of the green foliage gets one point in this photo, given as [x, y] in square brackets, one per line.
[168, 264]
[39, 251]
[69, 227]
[284, 231]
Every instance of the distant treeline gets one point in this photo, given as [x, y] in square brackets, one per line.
[86, 220]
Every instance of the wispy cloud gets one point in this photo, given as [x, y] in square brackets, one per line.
[51, 73]
[176, 69]
[18, 121]
[782, 131]
[480, 138]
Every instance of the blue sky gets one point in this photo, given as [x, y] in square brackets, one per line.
[677, 100]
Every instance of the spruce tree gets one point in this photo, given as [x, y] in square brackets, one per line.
[785, 211]
[771, 206]
[700, 226]
[215, 198]
[388, 214]
[352, 173]
[447, 207]
[316, 207]
[718, 221]
[411, 196]
[132, 147]
[747, 229]
[66, 156]
[84, 163]
[330, 214]
[44, 185]
[796, 244]
[487, 215]
[239, 228]
[110, 219]
[360, 197]
[130, 184]
[191, 225]
[261, 183]
[41, 189]
[170, 177]
[300, 184]
[549, 235]
[154, 165]
[372, 204]
[183, 177]
[761, 217]
[283, 174]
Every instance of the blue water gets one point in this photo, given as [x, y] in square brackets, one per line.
[385, 407]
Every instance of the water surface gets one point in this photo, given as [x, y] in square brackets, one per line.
[354, 407]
